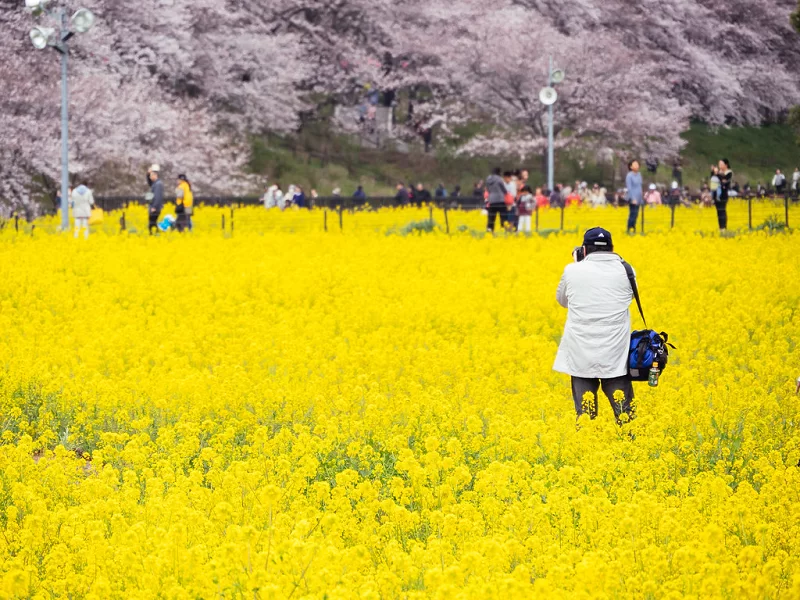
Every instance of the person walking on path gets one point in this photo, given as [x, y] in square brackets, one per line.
[401, 198]
[721, 202]
[779, 182]
[422, 195]
[82, 201]
[633, 183]
[556, 198]
[496, 200]
[597, 294]
[184, 203]
[155, 198]
[360, 196]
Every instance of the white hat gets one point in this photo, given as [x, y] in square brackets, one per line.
[155, 168]
[652, 186]
[674, 185]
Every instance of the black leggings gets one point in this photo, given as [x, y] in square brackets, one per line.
[494, 210]
[722, 214]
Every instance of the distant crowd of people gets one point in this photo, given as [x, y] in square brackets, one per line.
[507, 196]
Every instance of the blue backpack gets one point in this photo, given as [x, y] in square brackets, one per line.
[647, 346]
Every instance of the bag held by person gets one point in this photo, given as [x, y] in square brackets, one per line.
[647, 347]
[96, 216]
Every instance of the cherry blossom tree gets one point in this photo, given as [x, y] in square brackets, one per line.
[607, 100]
[183, 90]
[184, 83]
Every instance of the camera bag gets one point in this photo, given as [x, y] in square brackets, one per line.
[646, 346]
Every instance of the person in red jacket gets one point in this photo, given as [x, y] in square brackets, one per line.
[574, 199]
[542, 201]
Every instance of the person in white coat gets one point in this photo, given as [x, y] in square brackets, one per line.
[82, 202]
[594, 349]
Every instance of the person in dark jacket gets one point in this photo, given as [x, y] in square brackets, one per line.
[496, 200]
[422, 195]
[401, 198]
[299, 199]
[721, 204]
[478, 189]
[360, 194]
[441, 192]
[155, 197]
[556, 201]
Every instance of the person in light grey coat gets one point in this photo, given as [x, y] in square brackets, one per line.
[81, 200]
[594, 349]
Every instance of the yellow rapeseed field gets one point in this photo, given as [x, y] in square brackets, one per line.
[289, 413]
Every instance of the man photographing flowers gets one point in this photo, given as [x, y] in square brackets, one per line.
[597, 293]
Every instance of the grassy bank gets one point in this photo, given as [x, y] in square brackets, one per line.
[318, 159]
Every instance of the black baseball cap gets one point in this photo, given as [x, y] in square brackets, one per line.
[598, 237]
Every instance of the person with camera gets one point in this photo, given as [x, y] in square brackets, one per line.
[597, 293]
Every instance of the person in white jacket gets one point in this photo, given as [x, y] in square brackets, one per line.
[594, 349]
[81, 201]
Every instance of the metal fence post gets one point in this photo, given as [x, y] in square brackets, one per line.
[231, 221]
[786, 207]
[537, 218]
[672, 218]
[430, 211]
[122, 224]
[562, 218]
[644, 207]
[446, 220]
[223, 222]
[16, 223]
[750, 212]
[341, 226]
[325, 220]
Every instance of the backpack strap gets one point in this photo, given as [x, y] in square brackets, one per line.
[635, 288]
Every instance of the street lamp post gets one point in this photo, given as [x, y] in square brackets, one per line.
[548, 97]
[43, 37]
[550, 135]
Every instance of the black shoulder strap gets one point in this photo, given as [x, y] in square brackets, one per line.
[635, 288]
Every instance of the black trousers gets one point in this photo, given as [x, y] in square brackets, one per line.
[153, 220]
[581, 385]
[494, 210]
[722, 214]
[182, 221]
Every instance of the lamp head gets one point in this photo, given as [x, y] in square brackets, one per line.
[83, 20]
[36, 5]
[40, 37]
[558, 76]
[548, 96]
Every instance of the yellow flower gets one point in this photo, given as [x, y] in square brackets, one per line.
[292, 413]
